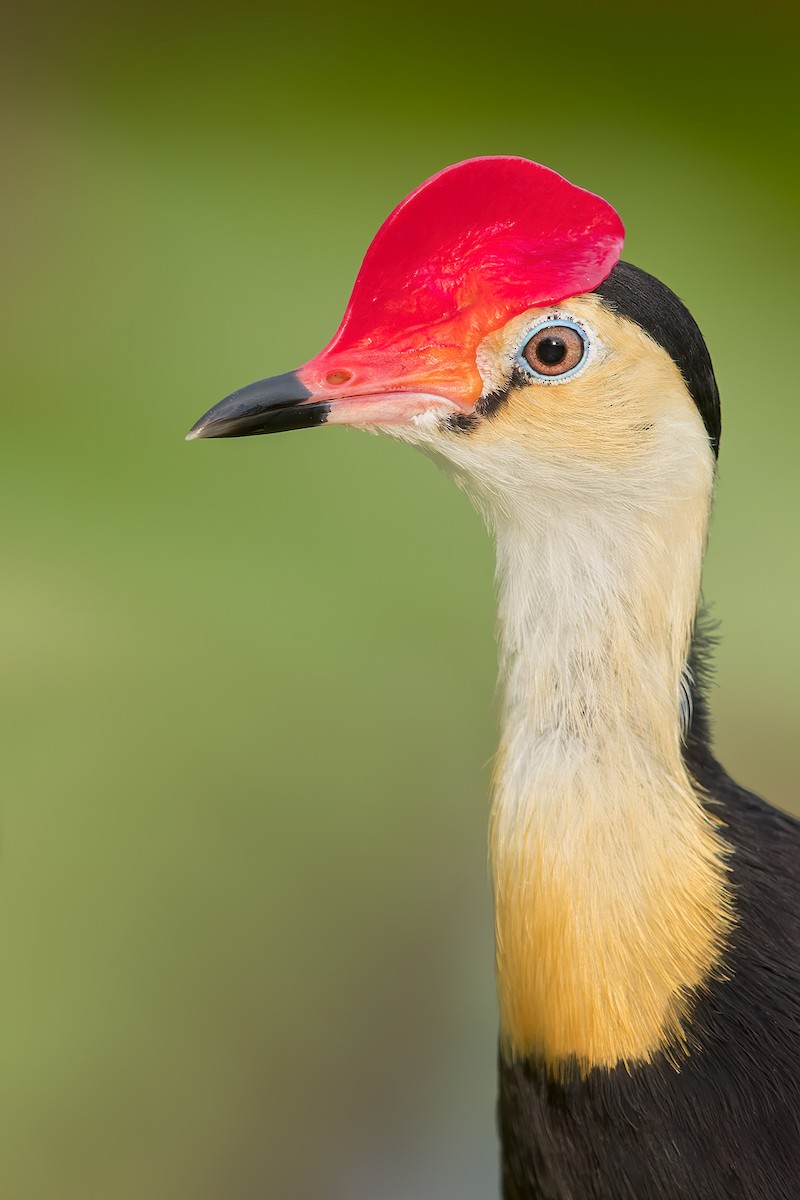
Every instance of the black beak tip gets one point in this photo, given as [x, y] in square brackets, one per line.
[197, 430]
[269, 406]
[217, 422]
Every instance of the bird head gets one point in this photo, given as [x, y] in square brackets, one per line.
[493, 324]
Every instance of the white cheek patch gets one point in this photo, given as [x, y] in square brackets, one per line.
[492, 370]
[428, 421]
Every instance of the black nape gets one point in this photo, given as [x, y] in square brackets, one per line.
[656, 309]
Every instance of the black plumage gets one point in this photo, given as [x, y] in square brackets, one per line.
[633, 293]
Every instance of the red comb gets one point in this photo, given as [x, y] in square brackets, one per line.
[480, 242]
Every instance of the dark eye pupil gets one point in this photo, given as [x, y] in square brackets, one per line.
[551, 351]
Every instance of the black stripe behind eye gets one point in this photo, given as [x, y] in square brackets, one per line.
[489, 404]
[643, 299]
[486, 407]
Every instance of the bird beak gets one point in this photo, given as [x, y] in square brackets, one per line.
[324, 393]
[270, 406]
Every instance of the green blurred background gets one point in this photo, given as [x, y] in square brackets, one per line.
[248, 686]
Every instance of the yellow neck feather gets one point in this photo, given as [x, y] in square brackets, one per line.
[610, 912]
[609, 875]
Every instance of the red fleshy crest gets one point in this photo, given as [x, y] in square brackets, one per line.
[474, 245]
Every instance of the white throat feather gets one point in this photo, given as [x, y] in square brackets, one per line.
[609, 876]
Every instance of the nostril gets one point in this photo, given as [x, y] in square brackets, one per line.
[335, 378]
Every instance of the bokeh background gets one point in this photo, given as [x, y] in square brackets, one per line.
[247, 687]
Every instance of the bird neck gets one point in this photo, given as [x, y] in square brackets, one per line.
[609, 876]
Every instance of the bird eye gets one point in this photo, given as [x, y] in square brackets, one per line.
[556, 348]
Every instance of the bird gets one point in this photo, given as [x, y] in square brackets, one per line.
[647, 924]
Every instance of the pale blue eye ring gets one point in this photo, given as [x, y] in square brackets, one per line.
[553, 350]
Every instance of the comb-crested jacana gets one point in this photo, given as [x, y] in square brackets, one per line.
[646, 906]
